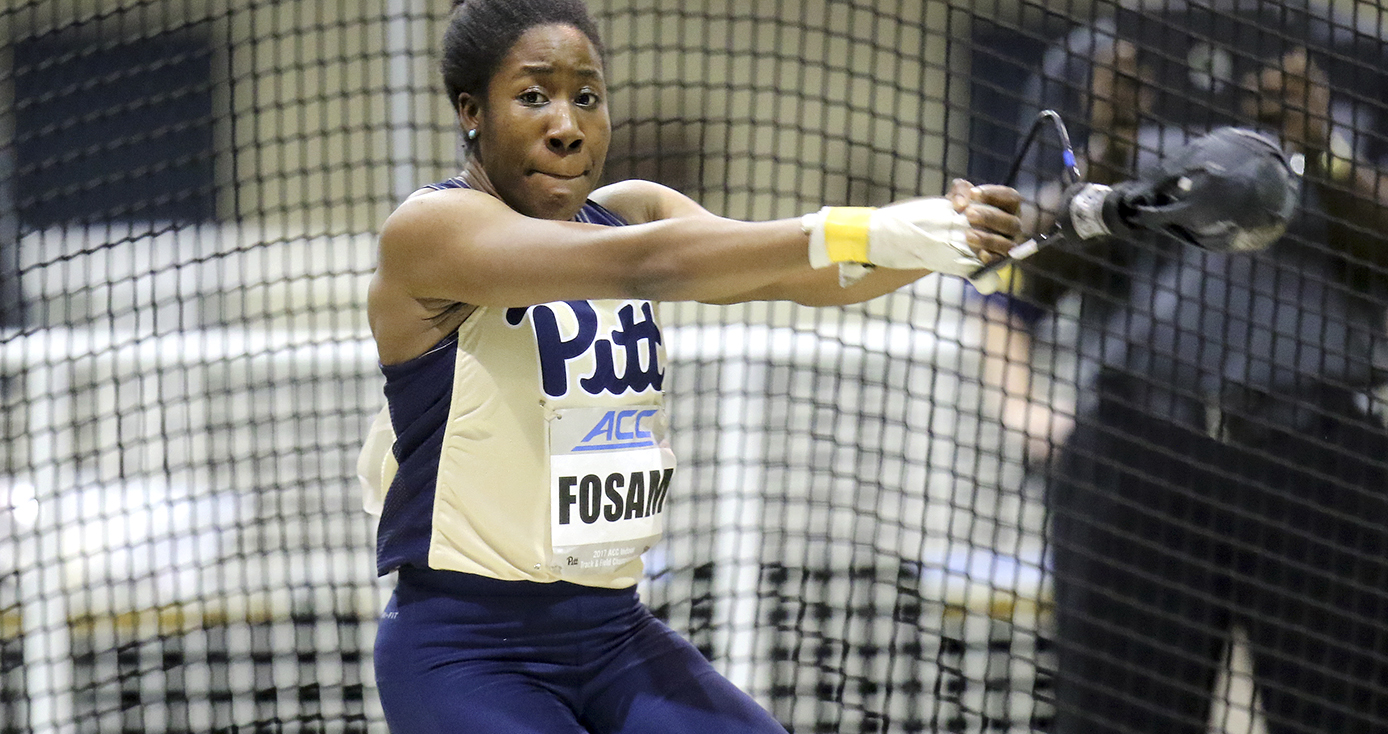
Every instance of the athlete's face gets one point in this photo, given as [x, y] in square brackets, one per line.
[543, 129]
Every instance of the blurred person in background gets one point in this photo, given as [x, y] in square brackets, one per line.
[1223, 465]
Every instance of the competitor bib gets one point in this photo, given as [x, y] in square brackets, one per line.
[609, 472]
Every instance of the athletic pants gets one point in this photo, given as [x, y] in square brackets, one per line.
[464, 654]
[1164, 539]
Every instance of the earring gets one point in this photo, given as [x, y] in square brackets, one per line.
[472, 134]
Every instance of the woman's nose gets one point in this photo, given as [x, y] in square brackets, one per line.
[566, 136]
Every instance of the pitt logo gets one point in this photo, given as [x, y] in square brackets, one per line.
[639, 342]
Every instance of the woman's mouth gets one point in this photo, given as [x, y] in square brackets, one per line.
[560, 176]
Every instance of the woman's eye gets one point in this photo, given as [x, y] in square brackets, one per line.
[587, 99]
[532, 97]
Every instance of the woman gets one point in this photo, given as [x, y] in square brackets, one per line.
[528, 467]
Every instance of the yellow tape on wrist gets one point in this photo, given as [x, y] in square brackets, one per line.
[846, 233]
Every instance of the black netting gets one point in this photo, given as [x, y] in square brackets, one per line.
[1144, 492]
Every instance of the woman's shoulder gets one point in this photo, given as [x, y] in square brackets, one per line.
[638, 201]
[435, 208]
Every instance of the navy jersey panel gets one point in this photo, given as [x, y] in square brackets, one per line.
[418, 392]
[463, 653]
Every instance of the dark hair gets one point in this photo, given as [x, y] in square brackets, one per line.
[481, 32]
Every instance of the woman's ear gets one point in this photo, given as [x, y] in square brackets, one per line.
[469, 112]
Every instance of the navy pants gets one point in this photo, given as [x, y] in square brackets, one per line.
[463, 654]
[1164, 539]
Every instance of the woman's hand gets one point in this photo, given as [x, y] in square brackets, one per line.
[993, 212]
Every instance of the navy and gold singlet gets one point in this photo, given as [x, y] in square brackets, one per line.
[528, 445]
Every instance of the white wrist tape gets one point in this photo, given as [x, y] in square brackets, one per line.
[917, 234]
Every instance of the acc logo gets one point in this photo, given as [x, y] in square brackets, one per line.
[620, 429]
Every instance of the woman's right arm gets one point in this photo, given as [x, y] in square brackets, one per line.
[465, 246]
[460, 246]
